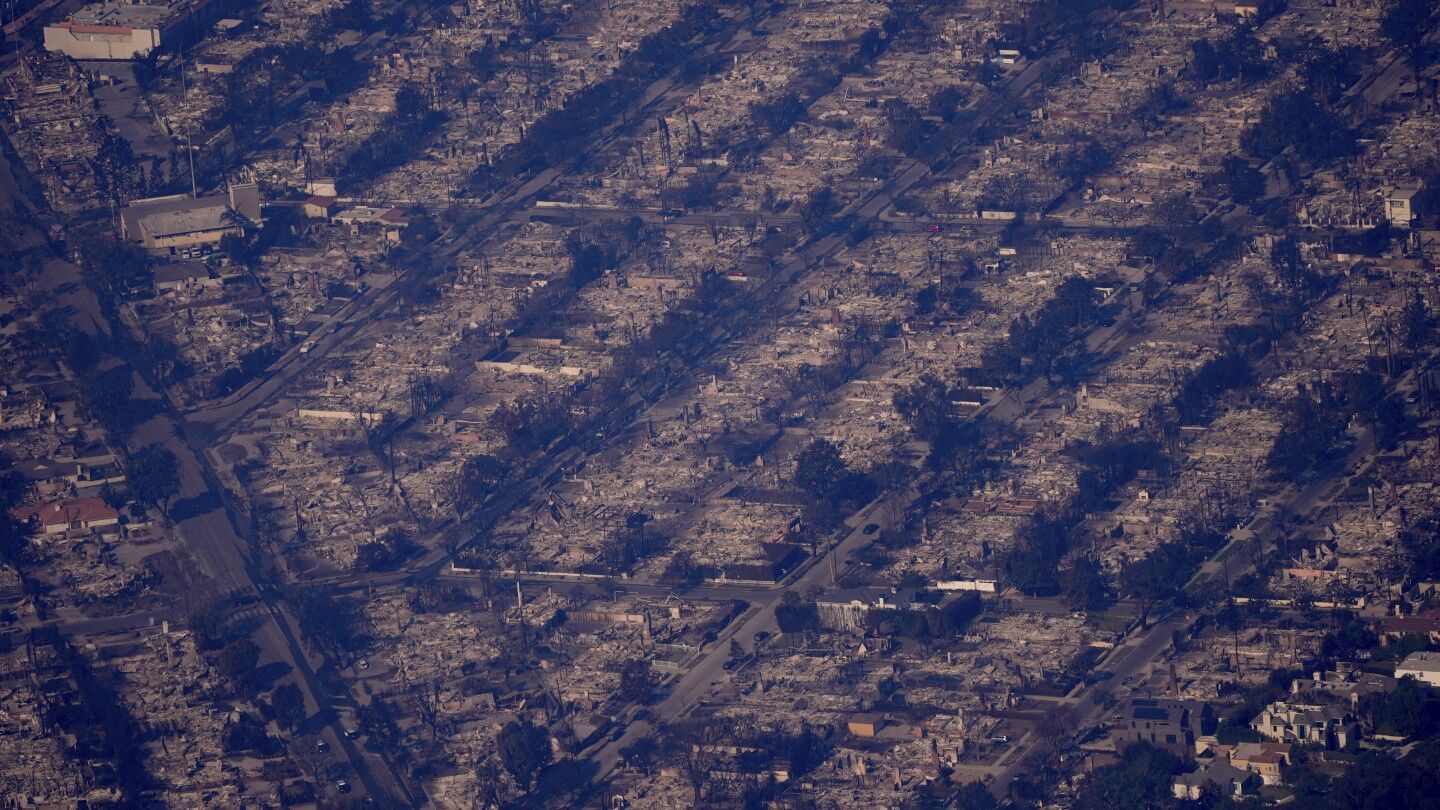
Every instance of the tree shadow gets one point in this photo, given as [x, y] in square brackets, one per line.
[314, 724]
[268, 674]
[188, 508]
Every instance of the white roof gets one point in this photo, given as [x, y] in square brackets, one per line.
[1419, 662]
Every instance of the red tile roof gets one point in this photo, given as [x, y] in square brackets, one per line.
[1428, 622]
[84, 510]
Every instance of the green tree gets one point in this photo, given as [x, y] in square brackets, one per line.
[1243, 181]
[925, 406]
[1158, 576]
[1404, 25]
[288, 704]
[776, 117]
[1032, 571]
[479, 477]
[374, 555]
[1414, 323]
[636, 680]
[1294, 274]
[561, 782]
[907, 128]
[524, 750]
[1140, 781]
[236, 662]
[815, 211]
[1085, 586]
[489, 790]
[974, 796]
[819, 469]
[116, 171]
[1311, 433]
[796, 615]
[13, 539]
[105, 397]
[1378, 781]
[153, 474]
[1297, 119]
[683, 571]
[1409, 711]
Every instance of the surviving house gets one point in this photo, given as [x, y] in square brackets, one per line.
[84, 514]
[1330, 726]
[362, 218]
[1231, 781]
[1265, 760]
[184, 276]
[1422, 666]
[1426, 624]
[1353, 688]
[1171, 725]
[846, 609]
[175, 224]
[865, 724]
[1400, 206]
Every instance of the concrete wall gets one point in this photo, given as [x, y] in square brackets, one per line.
[981, 585]
[184, 240]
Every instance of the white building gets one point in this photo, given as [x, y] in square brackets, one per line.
[1400, 207]
[115, 29]
[1422, 666]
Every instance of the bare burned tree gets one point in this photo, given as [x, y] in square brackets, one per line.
[488, 785]
[379, 431]
[310, 763]
[428, 705]
[694, 747]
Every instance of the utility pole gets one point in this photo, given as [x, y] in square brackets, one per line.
[185, 124]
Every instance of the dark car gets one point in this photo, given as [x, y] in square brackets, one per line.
[871, 528]
[322, 746]
[351, 733]
[761, 636]
[342, 786]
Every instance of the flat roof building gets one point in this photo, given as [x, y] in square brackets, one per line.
[1400, 206]
[171, 224]
[129, 30]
